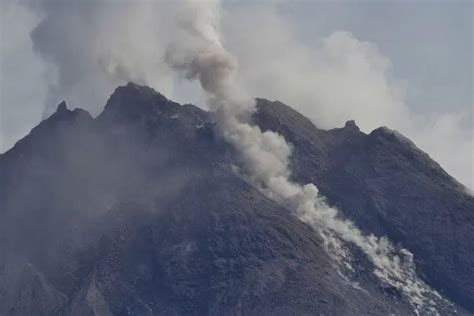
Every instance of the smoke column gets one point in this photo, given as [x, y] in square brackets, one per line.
[199, 54]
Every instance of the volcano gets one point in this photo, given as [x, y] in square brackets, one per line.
[140, 211]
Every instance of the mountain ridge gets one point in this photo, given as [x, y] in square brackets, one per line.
[152, 142]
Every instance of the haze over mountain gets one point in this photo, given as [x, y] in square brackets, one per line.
[142, 210]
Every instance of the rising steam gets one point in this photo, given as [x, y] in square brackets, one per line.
[199, 54]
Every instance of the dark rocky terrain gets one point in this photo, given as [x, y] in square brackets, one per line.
[138, 212]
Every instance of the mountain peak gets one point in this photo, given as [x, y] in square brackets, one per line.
[133, 88]
[62, 107]
[62, 113]
[352, 126]
[132, 101]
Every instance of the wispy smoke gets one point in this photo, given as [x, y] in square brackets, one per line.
[200, 54]
[93, 46]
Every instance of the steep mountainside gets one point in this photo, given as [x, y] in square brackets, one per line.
[388, 186]
[139, 212]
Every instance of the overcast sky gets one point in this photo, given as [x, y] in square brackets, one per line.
[404, 64]
[428, 42]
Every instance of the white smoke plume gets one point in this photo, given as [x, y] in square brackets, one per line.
[199, 54]
[93, 46]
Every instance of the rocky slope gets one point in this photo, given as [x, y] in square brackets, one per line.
[139, 212]
[388, 186]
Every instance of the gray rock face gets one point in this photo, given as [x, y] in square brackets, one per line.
[138, 212]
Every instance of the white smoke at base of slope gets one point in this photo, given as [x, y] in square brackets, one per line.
[200, 55]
